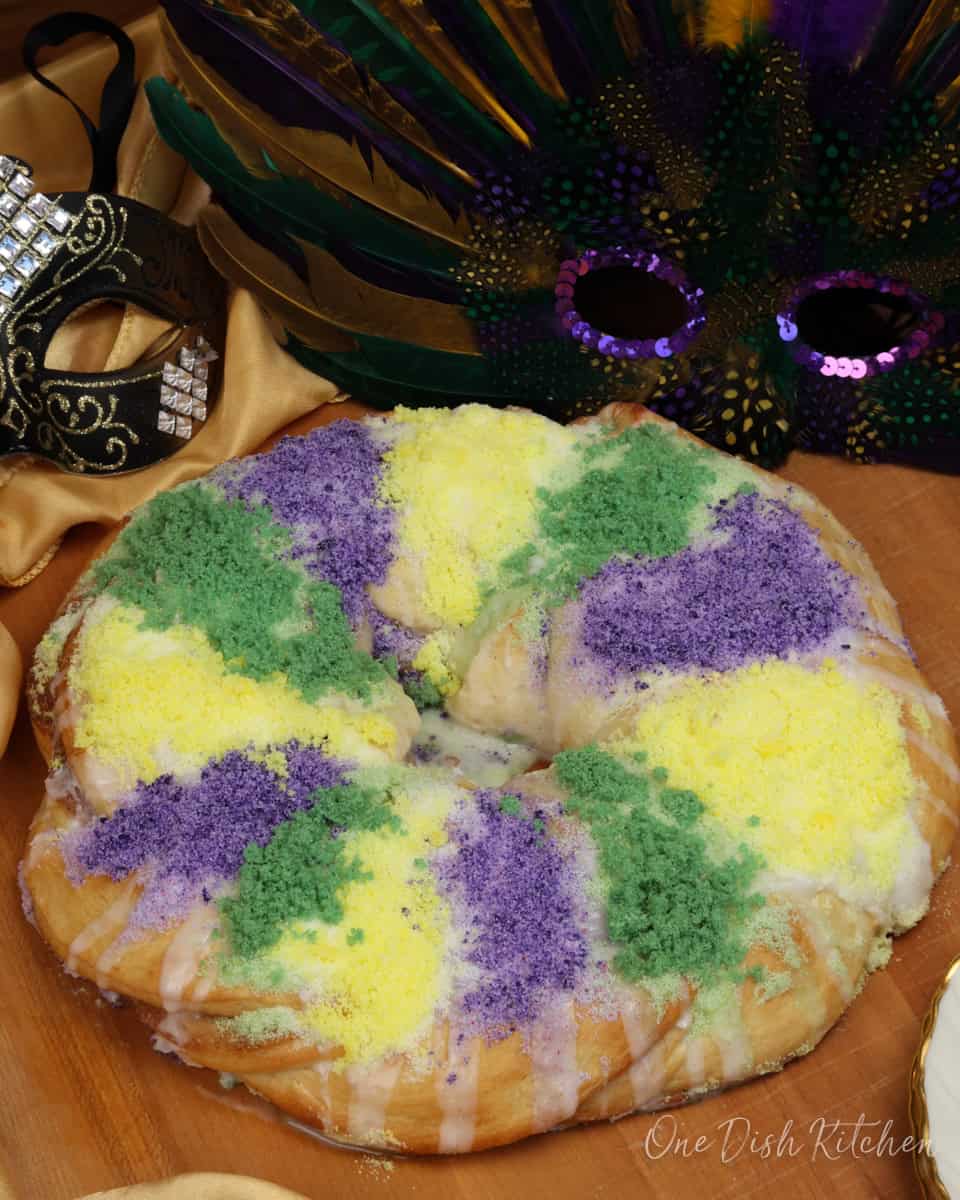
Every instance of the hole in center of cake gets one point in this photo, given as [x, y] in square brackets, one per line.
[483, 759]
[625, 302]
[855, 321]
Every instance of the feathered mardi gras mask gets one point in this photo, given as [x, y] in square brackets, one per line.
[745, 213]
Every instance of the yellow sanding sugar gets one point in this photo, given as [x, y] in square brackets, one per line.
[432, 659]
[381, 971]
[466, 482]
[817, 760]
[161, 701]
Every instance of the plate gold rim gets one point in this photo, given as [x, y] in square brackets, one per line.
[924, 1164]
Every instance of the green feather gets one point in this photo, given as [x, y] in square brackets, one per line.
[367, 387]
[383, 360]
[293, 205]
[594, 22]
[377, 46]
[503, 66]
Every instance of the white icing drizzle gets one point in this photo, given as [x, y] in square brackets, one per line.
[553, 1056]
[696, 1056]
[941, 806]
[902, 687]
[109, 959]
[112, 919]
[822, 948]
[911, 888]
[458, 1102]
[736, 1054]
[26, 899]
[640, 1028]
[647, 1076]
[480, 758]
[370, 1092]
[172, 1028]
[938, 757]
[62, 783]
[322, 1071]
[39, 844]
[183, 956]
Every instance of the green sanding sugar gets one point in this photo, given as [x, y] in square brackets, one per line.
[260, 1025]
[716, 1006]
[511, 806]
[638, 494]
[195, 558]
[422, 691]
[771, 926]
[671, 908]
[681, 805]
[774, 984]
[299, 874]
[663, 992]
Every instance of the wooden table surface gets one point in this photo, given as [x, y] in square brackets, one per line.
[86, 1104]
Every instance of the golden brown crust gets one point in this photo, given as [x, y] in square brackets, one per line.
[84, 923]
[459, 1095]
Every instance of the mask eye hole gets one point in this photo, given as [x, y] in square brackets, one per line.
[855, 321]
[629, 304]
[88, 338]
[855, 325]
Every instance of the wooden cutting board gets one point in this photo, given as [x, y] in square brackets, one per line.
[87, 1105]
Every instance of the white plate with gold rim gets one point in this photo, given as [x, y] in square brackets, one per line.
[935, 1093]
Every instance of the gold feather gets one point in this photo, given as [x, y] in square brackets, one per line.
[413, 19]
[518, 26]
[335, 303]
[246, 264]
[728, 22]
[628, 31]
[324, 159]
[288, 32]
[340, 298]
[940, 14]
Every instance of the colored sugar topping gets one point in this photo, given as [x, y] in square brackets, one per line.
[514, 897]
[300, 874]
[673, 907]
[465, 484]
[818, 756]
[189, 837]
[323, 489]
[195, 709]
[193, 558]
[637, 493]
[258, 1025]
[375, 981]
[765, 589]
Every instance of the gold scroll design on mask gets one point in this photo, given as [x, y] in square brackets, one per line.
[93, 244]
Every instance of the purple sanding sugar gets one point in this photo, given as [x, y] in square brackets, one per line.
[393, 640]
[767, 590]
[513, 896]
[323, 488]
[188, 836]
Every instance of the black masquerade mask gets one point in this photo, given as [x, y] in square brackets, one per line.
[62, 254]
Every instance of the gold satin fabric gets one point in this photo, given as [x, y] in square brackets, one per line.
[200, 1187]
[10, 671]
[263, 389]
